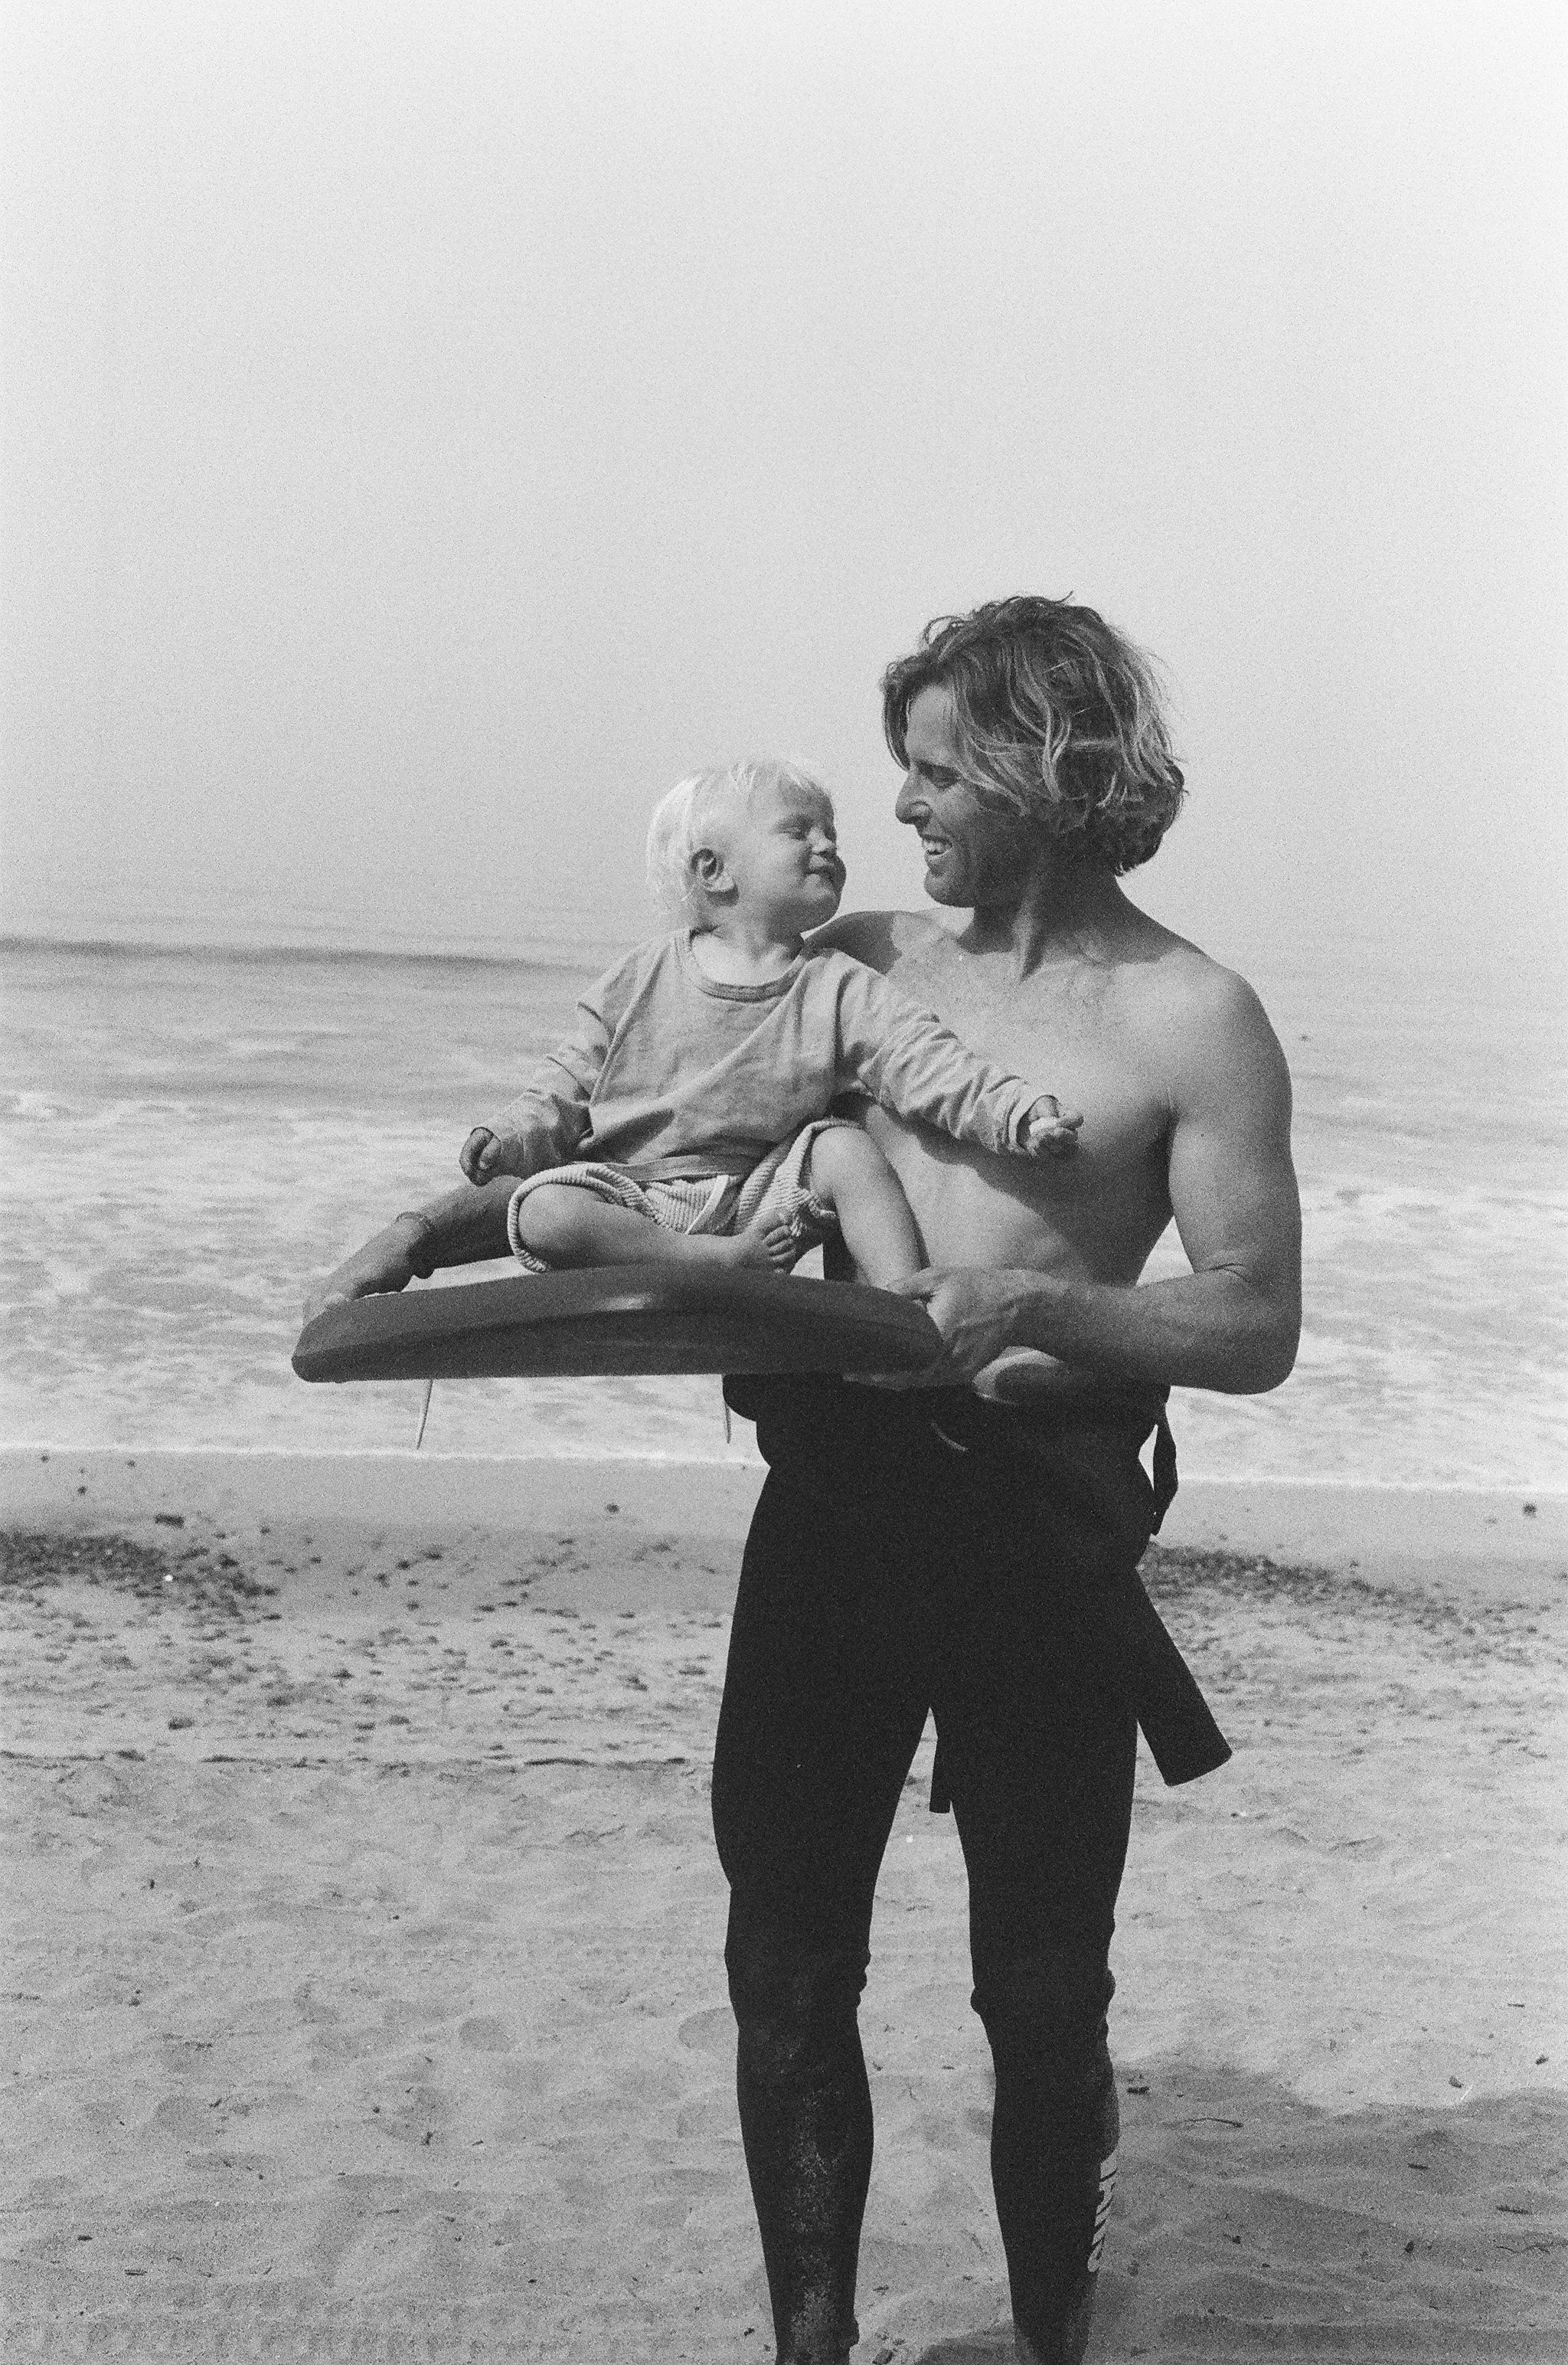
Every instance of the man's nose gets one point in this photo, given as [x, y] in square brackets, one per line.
[910, 804]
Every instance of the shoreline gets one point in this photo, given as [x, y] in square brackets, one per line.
[120, 1449]
[1395, 1531]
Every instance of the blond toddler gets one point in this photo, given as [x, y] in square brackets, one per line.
[687, 1117]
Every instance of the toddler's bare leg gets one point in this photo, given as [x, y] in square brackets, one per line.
[850, 1174]
[569, 1226]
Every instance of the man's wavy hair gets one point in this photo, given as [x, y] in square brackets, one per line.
[1058, 715]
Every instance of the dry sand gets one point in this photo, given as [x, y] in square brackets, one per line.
[364, 1934]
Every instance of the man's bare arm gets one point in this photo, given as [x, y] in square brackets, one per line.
[1233, 1323]
[869, 936]
[463, 1226]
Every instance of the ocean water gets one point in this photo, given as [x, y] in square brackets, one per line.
[188, 1136]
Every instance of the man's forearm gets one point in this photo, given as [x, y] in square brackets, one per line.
[465, 1226]
[1217, 1329]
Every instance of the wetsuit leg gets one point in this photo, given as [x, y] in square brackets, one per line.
[1053, 2143]
[1038, 1742]
[823, 1706]
[805, 2113]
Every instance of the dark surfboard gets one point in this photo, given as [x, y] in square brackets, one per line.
[630, 1318]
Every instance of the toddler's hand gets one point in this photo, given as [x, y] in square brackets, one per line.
[1049, 1130]
[480, 1156]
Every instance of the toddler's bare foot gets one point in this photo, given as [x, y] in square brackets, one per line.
[765, 1244]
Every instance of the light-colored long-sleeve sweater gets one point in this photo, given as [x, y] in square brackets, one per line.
[671, 1072]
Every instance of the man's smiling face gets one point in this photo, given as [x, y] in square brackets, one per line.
[977, 849]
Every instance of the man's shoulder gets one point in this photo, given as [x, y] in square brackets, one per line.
[1172, 974]
[1198, 1019]
[880, 940]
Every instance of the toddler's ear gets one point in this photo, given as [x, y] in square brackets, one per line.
[711, 871]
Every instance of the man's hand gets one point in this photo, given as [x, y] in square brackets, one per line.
[481, 1156]
[976, 1309]
[1048, 1130]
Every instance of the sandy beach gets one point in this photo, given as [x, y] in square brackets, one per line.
[364, 1930]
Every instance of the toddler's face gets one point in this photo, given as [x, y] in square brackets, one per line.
[782, 853]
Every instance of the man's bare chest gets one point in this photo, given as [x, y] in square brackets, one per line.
[1070, 1028]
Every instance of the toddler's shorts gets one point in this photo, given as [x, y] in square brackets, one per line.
[778, 1187]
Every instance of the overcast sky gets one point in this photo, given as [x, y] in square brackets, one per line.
[432, 429]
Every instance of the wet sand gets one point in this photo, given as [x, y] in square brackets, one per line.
[365, 1981]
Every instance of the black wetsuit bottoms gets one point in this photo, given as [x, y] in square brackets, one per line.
[925, 1552]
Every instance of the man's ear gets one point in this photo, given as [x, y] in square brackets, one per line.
[711, 871]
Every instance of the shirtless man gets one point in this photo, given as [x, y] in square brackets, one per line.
[922, 1549]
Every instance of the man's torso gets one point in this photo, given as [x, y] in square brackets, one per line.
[1093, 1030]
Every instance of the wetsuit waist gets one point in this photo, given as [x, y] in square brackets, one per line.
[808, 1411]
[1071, 1473]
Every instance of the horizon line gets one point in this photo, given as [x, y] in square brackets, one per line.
[550, 953]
